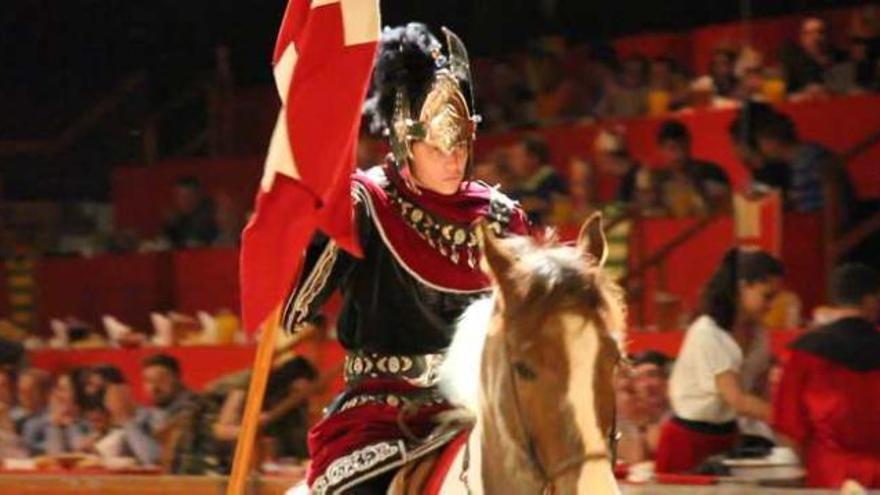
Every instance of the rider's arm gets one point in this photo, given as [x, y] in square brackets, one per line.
[325, 269]
[744, 403]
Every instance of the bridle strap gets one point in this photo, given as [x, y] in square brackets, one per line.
[549, 476]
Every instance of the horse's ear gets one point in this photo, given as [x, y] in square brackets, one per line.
[497, 260]
[591, 239]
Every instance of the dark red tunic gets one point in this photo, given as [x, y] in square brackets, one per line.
[419, 272]
[829, 403]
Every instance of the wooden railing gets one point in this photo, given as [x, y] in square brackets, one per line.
[634, 278]
[79, 127]
[661, 254]
[156, 145]
[837, 241]
[153, 145]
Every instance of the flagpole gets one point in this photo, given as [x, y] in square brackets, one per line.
[244, 448]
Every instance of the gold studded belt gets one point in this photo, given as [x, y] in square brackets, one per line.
[426, 398]
[420, 370]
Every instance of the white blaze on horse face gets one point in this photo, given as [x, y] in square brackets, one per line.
[596, 477]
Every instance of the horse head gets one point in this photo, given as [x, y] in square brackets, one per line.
[546, 398]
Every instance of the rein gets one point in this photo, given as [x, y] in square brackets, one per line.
[549, 474]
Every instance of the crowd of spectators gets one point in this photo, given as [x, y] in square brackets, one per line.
[679, 184]
[91, 413]
[566, 84]
[553, 83]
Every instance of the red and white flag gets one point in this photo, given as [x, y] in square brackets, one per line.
[323, 61]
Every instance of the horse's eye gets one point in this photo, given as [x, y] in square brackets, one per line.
[524, 372]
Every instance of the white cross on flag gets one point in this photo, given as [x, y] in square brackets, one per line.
[323, 61]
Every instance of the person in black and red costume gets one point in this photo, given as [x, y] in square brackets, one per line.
[416, 218]
[828, 401]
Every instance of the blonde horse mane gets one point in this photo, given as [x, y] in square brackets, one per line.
[460, 372]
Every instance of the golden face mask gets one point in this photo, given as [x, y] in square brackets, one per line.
[445, 116]
[445, 119]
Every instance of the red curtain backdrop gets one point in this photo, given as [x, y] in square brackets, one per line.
[128, 287]
[206, 280]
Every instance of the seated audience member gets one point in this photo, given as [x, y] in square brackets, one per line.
[806, 64]
[722, 71]
[538, 186]
[164, 389]
[11, 445]
[230, 222]
[556, 92]
[582, 190]
[640, 428]
[284, 420]
[61, 429]
[688, 186]
[666, 79]
[97, 379]
[512, 104]
[176, 416]
[129, 433]
[612, 157]
[651, 374]
[766, 174]
[11, 353]
[626, 95]
[706, 388]
[7, 398]
[193, 222]
[751, 76]
[856, 73]
[816, 174]
[828, 402]
[720, 87]
[32, 396]
[99, 424]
